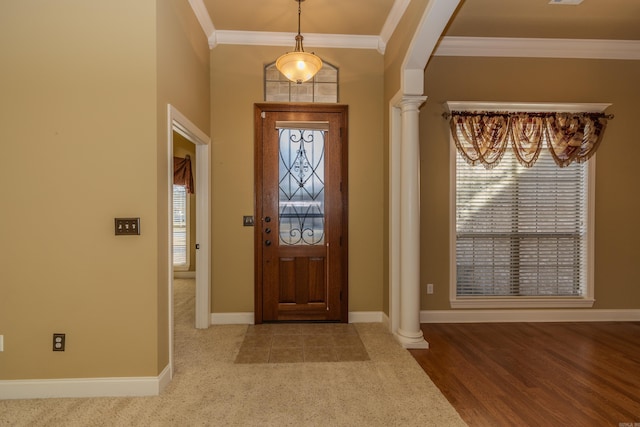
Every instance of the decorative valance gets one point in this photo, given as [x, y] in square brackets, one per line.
[483, 137]
[182, 173]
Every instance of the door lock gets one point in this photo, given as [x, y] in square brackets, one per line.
[267, 242]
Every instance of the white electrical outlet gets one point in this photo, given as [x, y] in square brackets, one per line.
[429, 288]
[1, 342]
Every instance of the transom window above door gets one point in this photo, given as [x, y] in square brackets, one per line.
[323, 87]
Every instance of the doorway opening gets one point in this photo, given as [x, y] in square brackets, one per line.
[181, 125]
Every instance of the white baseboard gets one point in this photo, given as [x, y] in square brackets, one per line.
[248, 318]
[497, 316]
[385, 321]
[466, 316]
[366, 317]
[85, 387]
[164, 379]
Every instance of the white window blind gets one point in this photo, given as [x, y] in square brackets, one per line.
[180, 227]
[521, 231]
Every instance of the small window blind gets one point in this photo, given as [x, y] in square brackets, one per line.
[180, 227]
[521, 231]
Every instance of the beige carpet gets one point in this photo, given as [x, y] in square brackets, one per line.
[209, 389]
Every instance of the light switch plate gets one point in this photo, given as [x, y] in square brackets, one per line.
[1, 342]
[127, 226]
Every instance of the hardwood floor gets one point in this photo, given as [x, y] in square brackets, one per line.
[537, 374]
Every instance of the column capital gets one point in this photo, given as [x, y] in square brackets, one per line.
[411, 102]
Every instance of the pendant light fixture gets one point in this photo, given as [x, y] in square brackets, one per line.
[299, 66]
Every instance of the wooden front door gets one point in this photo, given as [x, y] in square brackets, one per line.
[301, 213]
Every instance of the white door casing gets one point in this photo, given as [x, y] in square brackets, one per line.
[180, 124]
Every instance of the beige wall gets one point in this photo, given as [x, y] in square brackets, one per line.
[540, 80]
[84, 132]
[183, 81]
[236, 84]
[81, 121]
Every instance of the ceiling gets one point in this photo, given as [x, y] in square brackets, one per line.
[364, 17]
[593, 19]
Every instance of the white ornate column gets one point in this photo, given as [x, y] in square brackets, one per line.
[409, 333]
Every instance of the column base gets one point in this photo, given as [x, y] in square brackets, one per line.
[411, 340]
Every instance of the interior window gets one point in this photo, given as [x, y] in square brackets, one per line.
[322, 88]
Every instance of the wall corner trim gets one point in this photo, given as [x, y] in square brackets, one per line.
[85, 387]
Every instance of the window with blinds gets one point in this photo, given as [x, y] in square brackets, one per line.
[521, 232]
[180, 228]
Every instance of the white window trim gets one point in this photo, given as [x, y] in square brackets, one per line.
[585, 301]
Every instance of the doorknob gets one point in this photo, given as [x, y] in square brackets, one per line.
[267, 242]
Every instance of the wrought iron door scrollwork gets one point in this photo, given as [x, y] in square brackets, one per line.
[301, 187]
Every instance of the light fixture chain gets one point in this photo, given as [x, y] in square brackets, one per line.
[299, 12]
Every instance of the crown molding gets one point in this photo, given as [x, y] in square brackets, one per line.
[448, 46]
[260, 38]
[263, 38]
[539, 48]
[397, 10]
[202, 15]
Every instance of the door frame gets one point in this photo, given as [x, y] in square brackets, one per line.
[179, 123]
[259, 109]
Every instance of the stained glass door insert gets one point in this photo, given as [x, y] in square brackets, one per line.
[301, 186]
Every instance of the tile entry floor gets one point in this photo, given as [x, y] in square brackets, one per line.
[297, 343]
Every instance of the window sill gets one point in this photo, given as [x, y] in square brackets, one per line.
[522, 302]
